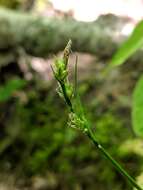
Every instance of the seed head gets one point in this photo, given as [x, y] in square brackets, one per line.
[77, 122]
[67, 52]
[59, 70]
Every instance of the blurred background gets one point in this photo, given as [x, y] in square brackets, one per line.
[37, 149]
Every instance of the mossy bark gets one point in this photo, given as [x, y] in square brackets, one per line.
[41, 36]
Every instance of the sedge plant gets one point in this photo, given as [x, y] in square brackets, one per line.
[77, 118]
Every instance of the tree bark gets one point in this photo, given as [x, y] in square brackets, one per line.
[40, 36]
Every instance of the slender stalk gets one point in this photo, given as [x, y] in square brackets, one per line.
[62, 79]
[112, 160]
[92, 137]
[68, 101]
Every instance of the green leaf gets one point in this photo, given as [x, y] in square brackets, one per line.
[10, 87]
[129, 47]
[137, 109]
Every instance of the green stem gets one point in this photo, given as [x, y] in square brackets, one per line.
[111, 159]
[66, 96]
[91, 135]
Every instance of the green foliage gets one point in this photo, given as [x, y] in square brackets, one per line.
[102, 131]
[47, 143]
[8, 90]
[133, 43]
[137, 108]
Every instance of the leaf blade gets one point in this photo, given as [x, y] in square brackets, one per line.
[137, 108]
[129, 47]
